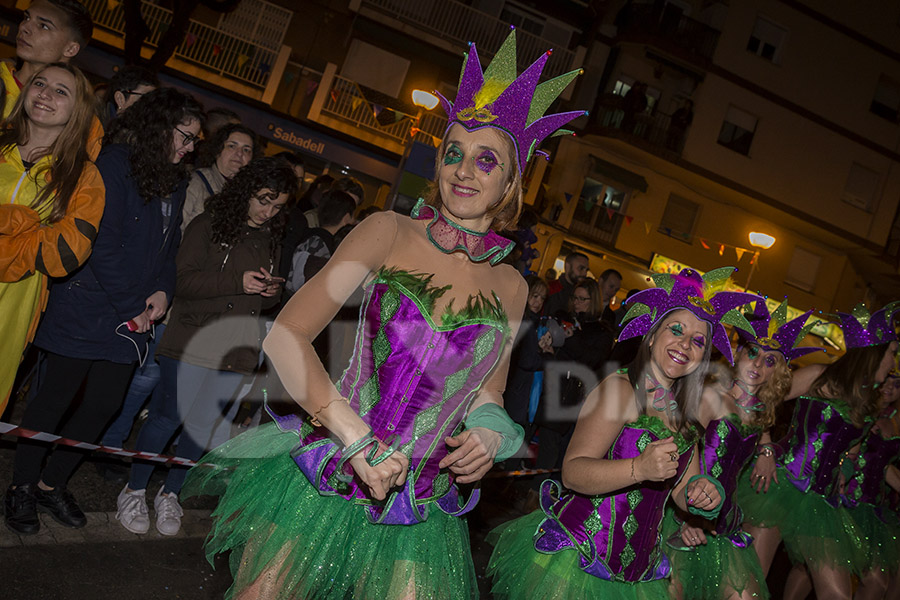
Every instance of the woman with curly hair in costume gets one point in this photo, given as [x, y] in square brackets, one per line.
[598, 534]
[714, 559]
[98, 318]
[224, 281]
[51, 202]
[801, 504]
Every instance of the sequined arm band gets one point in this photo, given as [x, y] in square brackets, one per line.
[492, 416]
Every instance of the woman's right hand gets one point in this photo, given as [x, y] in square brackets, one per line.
[763, 473]
[384, 476]
[254, 282]
[143, 322]
[658, 461]
[692, 536]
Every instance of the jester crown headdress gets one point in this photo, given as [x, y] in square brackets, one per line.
[497, 98]
[774, 332]
[862, 329]
[703, 296]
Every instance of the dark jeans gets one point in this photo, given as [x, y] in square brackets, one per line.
[105, 383]
[194, 397]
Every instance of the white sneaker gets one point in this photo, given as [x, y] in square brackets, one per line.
[133, 513]
[168, 512]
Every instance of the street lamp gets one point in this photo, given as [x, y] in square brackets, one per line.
[421, 99]
[758, 240]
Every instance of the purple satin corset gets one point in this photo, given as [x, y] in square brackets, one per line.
[868, 486]
[618, 535]
[412, 382]
[821, 432]
[728, 447]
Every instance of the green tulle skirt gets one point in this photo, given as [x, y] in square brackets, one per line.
[882, 537]
[814, 532]
[292, 543]
[709, 571]
[521, 572]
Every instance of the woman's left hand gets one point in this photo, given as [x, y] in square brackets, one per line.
[157, 305]
[763, 474]
[474, 454]
[692, 536]
[702, 494]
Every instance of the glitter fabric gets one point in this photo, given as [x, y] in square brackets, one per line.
[496, 98]
[449, 237]
[703, 295]
[775, 332]
[862, 329]
[622, 547]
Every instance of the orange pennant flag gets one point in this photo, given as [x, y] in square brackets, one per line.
[242, 58]
[628, 220]
[721, 249]
[739, 252]
[704, 244]
[648, 227]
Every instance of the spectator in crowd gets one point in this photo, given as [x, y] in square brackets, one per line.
[222, 156]
[226, 277]
[125, 88]
[633, 104]
[217, 118]
[319, 243]
[576, 269]
[678, 125]
[610, 283]
[348, 185]
[98, 319]
[52, 203]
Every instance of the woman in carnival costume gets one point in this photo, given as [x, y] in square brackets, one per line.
[868, 491]
[835, 409]
[372, 511]
[737, 411]
[633, 448]
[889, 426]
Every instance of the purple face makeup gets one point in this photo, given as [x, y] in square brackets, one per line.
[487, 162]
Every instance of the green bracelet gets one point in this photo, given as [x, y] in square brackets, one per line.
[492, 416]
[706, 514]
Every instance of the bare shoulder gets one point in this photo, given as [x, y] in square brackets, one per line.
[616, 396]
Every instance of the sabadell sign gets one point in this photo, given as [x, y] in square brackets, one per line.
[308, 144]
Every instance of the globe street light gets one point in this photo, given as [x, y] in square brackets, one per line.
[758, 240]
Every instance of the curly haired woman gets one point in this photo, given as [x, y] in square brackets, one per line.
[98, 318]
[224, 281]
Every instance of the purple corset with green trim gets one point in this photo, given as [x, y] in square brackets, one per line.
[618, 535]
[821, 432]
[412, 381]
[868, 485]
[728, 447]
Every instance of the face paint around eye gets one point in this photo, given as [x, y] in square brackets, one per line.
[676, 329]
[453, 155]
[770, 361]
[753, 352]
[487, 162]
[700, 342]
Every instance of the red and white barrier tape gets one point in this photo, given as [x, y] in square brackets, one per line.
[16, 431]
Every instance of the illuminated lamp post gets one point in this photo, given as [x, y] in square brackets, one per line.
[757, 240]
[423, 100]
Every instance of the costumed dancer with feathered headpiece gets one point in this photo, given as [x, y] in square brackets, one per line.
[715, 559]
[633, 449]
[836, 406]
[358, 499]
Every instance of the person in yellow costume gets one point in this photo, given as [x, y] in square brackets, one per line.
[51, 202]
[51, 31]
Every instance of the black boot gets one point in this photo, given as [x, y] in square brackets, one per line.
[60, 504]
[21, 510]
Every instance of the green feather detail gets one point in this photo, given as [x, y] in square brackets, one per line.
[664, 281]
[545, 93]
[416, 284]
[477, 307]
[503, 65]
[736, 319]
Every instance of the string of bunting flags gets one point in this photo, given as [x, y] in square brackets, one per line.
[705, 242]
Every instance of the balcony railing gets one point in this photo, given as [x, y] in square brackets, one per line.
[645, 129]
[461, 24]
[226, 54]
[650, 24]
[345, 101]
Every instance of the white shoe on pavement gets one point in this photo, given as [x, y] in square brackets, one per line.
[132, 510]
[168, 512]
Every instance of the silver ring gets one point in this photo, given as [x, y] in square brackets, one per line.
[673, 456]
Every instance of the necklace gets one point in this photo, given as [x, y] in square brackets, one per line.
[747, 401]
[663, 398]
[448, 236]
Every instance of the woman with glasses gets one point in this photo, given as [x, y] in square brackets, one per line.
[99, 318]
[225, 279]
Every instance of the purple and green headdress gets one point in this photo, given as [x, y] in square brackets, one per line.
[774, 332]
[704, 296]
[862, 329]
[515, 105]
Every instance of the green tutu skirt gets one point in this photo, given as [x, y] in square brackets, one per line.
[814, 532]
[521, 572]
[708, 571]
[291, 543]
[882, 537]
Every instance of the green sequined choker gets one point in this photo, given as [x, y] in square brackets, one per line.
[449, 237]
